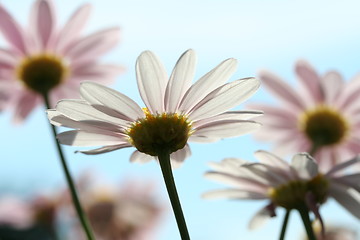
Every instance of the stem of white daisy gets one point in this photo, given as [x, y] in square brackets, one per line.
[284, 226]
[304, 213]
[80, 212]
[164, 160]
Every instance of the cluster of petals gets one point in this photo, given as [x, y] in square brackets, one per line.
[281, 123]
[103, 115]
[256, 180]
[78, 53]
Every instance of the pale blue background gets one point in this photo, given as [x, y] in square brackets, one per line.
[260, 34]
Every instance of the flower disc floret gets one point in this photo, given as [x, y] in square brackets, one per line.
[324, 126]
[42, 73]
[162, 132]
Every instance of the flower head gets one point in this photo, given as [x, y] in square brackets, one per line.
[42, 60]
[290, 186]
[175, 111]
[319, 116]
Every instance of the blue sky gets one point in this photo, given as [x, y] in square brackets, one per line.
[260, 34]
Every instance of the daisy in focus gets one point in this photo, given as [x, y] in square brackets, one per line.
[320, 116]
[291, 186]
[175, 112]
[43, 61]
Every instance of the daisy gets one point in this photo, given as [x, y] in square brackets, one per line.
[175, 111]
[319, 116]
[291, 186]
[45, 61]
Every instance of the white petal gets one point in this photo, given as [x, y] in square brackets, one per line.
[343, 165]
[202, 139]
[276, 162]
[89, 139]
[225, 129]
[230, 115]
[178, 157]
[95, 93]
[105, 149]
[151, 79]
[347, 197]
[180, 80]
[266, 173]
[304, 165]
[224, 98]
[140, 157]
[232, 194]
[79, 110]
[260, 218]
[206, 84]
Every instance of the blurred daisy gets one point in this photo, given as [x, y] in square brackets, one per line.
[320, 115]
[43, 60]
[176, 111]
[290, 186]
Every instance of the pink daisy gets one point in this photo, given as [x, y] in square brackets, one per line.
[286, 185]
[176, 110]
[320, 116]
[43, 60]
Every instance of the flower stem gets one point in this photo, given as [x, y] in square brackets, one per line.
[304, 213]
[283, 229]
[164, 159]
[81, 214]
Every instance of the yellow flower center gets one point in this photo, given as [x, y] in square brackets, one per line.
[292, 194]
[41, 73]
[162, 132]
[324, 126]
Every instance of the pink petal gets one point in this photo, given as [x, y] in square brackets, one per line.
[72, 29]
[43, 16]
[273, 160]
[26, 103]
[88, 48]
[8, 59]
[224, 98]
[332, 85]
[310, 80]
[12, 31]
[341, 166]
[151, 79]
[281, 89]
[180, 80]
[90, 139]
[206, 84]
[105, 149]
[347, 197]
[100, 73]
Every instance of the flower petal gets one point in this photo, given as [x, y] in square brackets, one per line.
[140, 157]
[180, 80]
[343, 165]
[206, 84]
[178, 157]
[73, 27]
[332, 84]
[151, 79]
[347, 197]
[24, 106]
[226, 128]
[97, 94]
[105, 149]
[94, 45]
[310, 79]
[273, 160]
[260, 218]
[304, 165]
[100, 73]
[90, 139]
[44, 19]
[224, 98]
[12, 31]
[281, 89]
[232, 194]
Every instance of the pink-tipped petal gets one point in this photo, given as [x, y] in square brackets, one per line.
[304, 165]
[73, 27]
[44, 21]
[180, 80]
[151, 79]
[90, 139]
[12, 31]
[105, 149]
[224, 98]
[95, 93]
[206, 84]
[94, 45]
[281, 89]
[310, 79]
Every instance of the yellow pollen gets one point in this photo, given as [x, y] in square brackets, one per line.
[161, 132]
[41, 73]
[324, 126]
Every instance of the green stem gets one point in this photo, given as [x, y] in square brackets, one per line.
[304, 213]
[283, 229]
[81, 214]
[164, 160]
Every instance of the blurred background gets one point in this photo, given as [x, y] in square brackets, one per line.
[260, 34]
